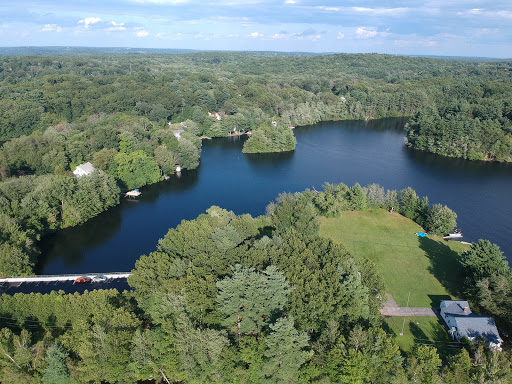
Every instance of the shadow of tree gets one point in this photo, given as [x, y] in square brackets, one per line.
[438, 337]
[444, 265]
[417, 333]
[435, 300]
[385, 326]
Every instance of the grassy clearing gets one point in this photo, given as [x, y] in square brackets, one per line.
[428, 267]
[421, 330]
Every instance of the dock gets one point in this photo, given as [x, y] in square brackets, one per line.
[134, 193]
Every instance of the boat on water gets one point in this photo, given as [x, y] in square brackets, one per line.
[134, 193]
[455, 235]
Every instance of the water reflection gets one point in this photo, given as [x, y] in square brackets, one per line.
[176, 184]
[449, 166]
[70, 245]
[265, 160]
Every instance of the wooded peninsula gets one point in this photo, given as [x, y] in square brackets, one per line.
[270, 299]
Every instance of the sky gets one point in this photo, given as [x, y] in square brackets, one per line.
[479, 28]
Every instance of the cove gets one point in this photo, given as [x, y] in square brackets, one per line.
[345, 151]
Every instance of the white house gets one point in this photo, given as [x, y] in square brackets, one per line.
[177, 133]
[83, 170]
[462, 323]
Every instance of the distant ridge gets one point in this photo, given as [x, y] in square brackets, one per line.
[64, 51]
[68, 51]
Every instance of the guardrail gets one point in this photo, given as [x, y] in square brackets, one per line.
[26, 279]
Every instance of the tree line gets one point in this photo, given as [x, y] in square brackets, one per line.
[248, 89]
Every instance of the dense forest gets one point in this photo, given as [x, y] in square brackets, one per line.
[136, 118]
[237, 299]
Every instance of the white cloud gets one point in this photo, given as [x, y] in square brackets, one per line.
[254, 35]
[116, 26]
[365, 33]
[163, 2]
[480, 12]
[340, 36]
[142, 33]
[89, 20]
[381, 11]
[290, 2]
[369, 32]
[278, 36]
[328, 9]
[51, 28]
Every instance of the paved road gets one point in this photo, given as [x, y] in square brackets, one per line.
[68, 286]
[391, 308]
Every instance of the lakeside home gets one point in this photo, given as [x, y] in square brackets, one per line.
[463, 323]
[83, 170]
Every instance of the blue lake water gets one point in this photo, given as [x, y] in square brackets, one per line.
[347, 151]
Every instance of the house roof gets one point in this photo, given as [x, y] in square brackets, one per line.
[455, 307]
[86, 167]
[478, 326]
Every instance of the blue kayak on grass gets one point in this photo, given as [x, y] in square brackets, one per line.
[421, 234]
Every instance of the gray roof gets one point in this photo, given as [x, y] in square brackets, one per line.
[86, 167]
[455, 307]
[478, 326]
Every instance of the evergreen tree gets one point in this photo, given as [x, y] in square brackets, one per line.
[249, 299]
[56, 372]
[483, 260]
[285, 352]
[357, 198]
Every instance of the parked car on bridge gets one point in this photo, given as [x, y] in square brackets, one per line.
[99, 278]
[82, 279]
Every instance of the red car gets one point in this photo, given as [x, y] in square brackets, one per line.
[82, 279]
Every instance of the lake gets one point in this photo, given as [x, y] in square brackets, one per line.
[346, 151]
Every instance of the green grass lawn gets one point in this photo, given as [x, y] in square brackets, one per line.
[427, 268]
[421, 330]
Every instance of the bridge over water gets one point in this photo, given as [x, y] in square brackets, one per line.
[67, 283]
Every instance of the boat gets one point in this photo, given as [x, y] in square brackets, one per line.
[134, 193]
[455, 235]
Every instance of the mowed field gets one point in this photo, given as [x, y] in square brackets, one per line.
[428, 267]
[421, 330]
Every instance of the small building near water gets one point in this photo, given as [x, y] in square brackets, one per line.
[462, 323]
[83, 170]
[133, 193]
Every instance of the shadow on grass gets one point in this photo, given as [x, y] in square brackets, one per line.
[438, 337]
[444, 265]
[435, 300]
[385, 326]
[417, 333]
